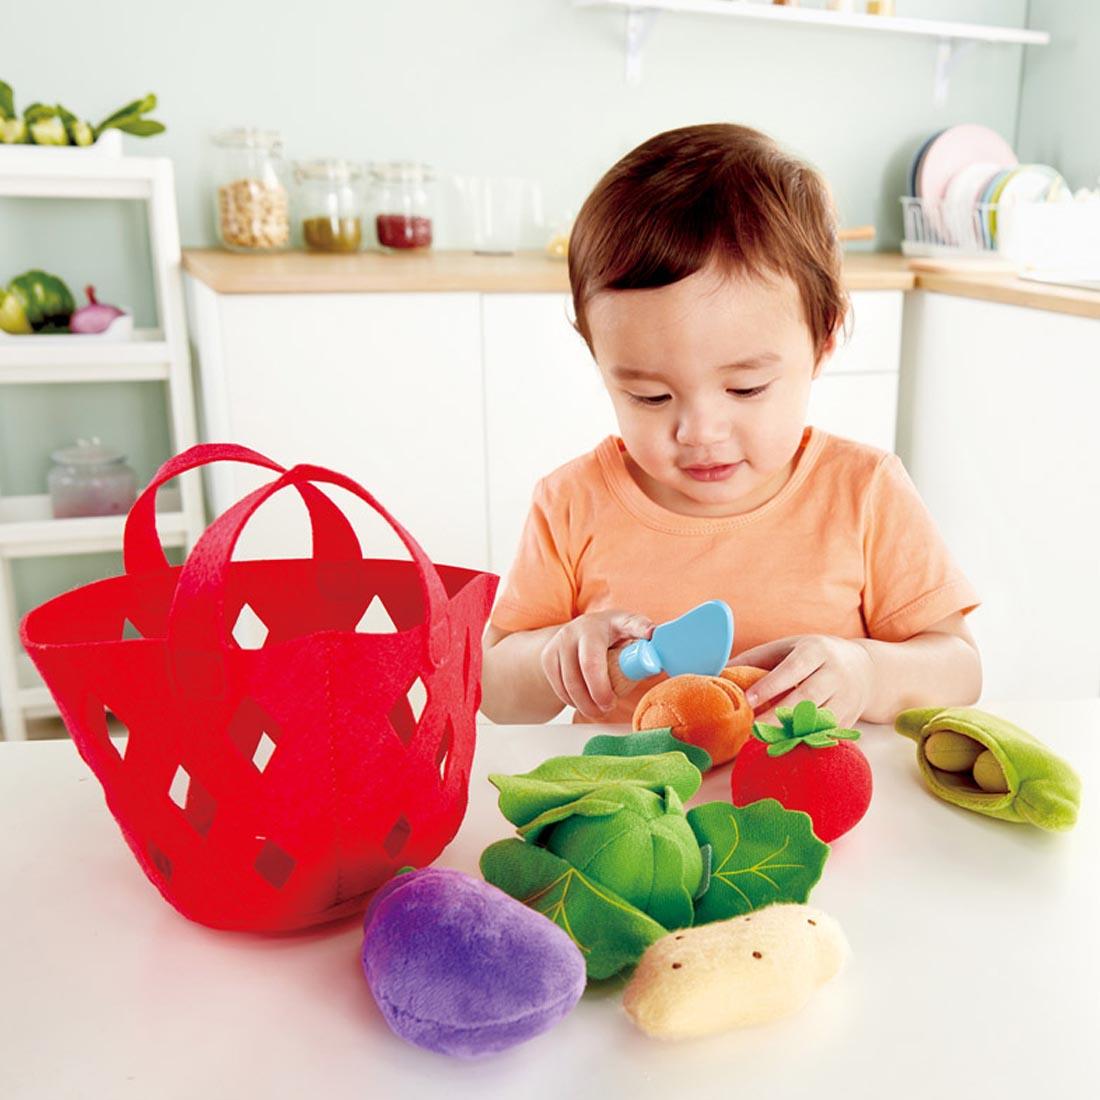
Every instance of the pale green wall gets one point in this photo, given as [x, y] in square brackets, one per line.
[533, 87]
[1060, 98]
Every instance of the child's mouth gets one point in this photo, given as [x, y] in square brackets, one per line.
[711, 473]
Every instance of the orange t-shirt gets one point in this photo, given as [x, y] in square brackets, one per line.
[846, 548]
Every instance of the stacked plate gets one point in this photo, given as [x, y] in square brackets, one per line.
[958, 178]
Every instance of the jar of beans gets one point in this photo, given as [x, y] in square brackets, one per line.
[403, 201]
[330, 197]
[252, 177]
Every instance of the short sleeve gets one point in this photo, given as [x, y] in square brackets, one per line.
[911, 581]
[540, 590]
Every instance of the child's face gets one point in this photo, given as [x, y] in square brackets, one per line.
[710, 379]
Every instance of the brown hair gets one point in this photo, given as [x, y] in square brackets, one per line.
[716, 191]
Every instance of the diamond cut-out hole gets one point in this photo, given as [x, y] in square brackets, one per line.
[443, 753]
[130, 631]
[162, 863]
[265, 749]
[395, 841]
[418, 698]
[197, 804]
[249, 631]
[118, 733]
[274, 865]
[376, 619]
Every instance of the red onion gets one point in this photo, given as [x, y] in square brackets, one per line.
[94, 317]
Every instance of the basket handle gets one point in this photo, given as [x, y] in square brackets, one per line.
[333, 536]
[197, 625]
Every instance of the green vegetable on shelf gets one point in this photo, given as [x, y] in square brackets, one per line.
[53, 124]
[46, 301]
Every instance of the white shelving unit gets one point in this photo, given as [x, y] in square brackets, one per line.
[953, 38]
[27, 529]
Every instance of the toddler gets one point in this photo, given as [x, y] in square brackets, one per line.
[706, 278]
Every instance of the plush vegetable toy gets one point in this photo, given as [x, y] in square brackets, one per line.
[734, 973]
[458, 967]
[807, 764]
[609, 853]
[981, 762]
[708, 711]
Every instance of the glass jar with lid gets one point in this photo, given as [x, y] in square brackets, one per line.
[90, 479]
[253, 202]
[404, 204]
[330, 198]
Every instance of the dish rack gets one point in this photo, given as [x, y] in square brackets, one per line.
[1053, 238]
[937, 228]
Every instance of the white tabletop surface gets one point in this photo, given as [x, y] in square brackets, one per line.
[975, 968]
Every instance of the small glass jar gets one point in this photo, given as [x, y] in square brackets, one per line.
[404, 205]
[330, 198]
[90, 479]
[253, 204]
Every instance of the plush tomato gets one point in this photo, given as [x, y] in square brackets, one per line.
[805, 764]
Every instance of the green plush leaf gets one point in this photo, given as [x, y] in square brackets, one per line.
[671, 907]
[610, 932]
[819, 740]
[564, 779]
[769, 734]
[763, 854]
[7, 101]
[646, 743]
[845, 735]
[826, 720]
[783, 747]
[591, 805]
[805, 718]
[784, 714]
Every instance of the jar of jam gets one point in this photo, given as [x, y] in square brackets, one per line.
[330, 197]
[403, 201]
[253, 204]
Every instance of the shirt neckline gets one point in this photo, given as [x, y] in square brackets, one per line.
[630, 496]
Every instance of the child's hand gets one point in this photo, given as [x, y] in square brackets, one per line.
[576, 657]
[832, 672]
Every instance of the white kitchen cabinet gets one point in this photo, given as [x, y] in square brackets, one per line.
[384, 387]
[997, 426]
[545, 403]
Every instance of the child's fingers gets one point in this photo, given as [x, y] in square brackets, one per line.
[817, 688]
[626, 625]
[798, 666]
[592, 661]
[575, 686]
[767, 655]
[551, 667]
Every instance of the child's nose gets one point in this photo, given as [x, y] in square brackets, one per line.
[702, 427]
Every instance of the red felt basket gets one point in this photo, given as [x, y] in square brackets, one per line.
[271, 789]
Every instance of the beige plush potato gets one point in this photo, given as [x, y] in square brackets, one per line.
[735, 973]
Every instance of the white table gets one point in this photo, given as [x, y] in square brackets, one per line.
[975, 969]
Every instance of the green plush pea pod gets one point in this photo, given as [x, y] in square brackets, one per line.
[1043, 789]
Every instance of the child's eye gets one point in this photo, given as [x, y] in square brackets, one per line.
[754, 392]
[652, 402]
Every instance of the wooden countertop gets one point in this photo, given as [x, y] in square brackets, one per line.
[299, 272]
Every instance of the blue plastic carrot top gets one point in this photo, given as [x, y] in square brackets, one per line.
[699, 641]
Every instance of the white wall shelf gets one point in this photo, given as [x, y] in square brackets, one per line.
[27, 527]
[953, 38]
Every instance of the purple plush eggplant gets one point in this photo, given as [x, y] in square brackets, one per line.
[459, 967]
